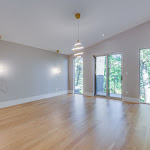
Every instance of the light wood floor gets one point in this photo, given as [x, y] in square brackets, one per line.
[75, 122]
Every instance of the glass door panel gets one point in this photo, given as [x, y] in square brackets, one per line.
[78, 75]
[114, 76]
[101, 75]
[145, 75]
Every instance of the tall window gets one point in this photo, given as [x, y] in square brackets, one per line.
[114, 75]
[145, 75]
[78, 75]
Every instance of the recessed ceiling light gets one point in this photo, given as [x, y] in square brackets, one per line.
[103, 34]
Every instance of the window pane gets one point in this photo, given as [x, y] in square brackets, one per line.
[101, 75]
[145, 75]
[79, 75]
[114, 75]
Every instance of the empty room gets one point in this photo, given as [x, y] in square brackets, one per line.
[74, 75]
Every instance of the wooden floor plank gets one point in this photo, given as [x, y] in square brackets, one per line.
[75, 122]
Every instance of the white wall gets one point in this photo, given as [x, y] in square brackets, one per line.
[27, 72]
[129, 43]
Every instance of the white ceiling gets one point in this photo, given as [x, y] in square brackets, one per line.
[51, 25]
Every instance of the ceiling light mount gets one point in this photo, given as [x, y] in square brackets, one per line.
[77, 16]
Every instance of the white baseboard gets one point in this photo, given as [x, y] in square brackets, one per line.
[131, 100]
[30, 99]
[88, 94]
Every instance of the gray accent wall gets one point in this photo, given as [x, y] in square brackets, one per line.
[26, 72]
[128, 43]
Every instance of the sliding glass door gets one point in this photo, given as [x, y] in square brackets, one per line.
[108, 75]
[145, 75]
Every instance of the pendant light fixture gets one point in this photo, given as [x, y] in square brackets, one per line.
[77, 54]
[77, 46]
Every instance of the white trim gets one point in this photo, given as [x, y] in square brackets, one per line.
[30, 99]
[88, 94]
[131, 100]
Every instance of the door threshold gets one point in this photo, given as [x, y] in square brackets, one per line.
[114, 98]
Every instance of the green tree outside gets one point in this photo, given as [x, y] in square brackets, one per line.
[145, 75]
[79, 75]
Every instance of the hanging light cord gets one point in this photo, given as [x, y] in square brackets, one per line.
[78, 30]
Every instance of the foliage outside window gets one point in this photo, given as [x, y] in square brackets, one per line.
[145, 75]
[79, 75]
